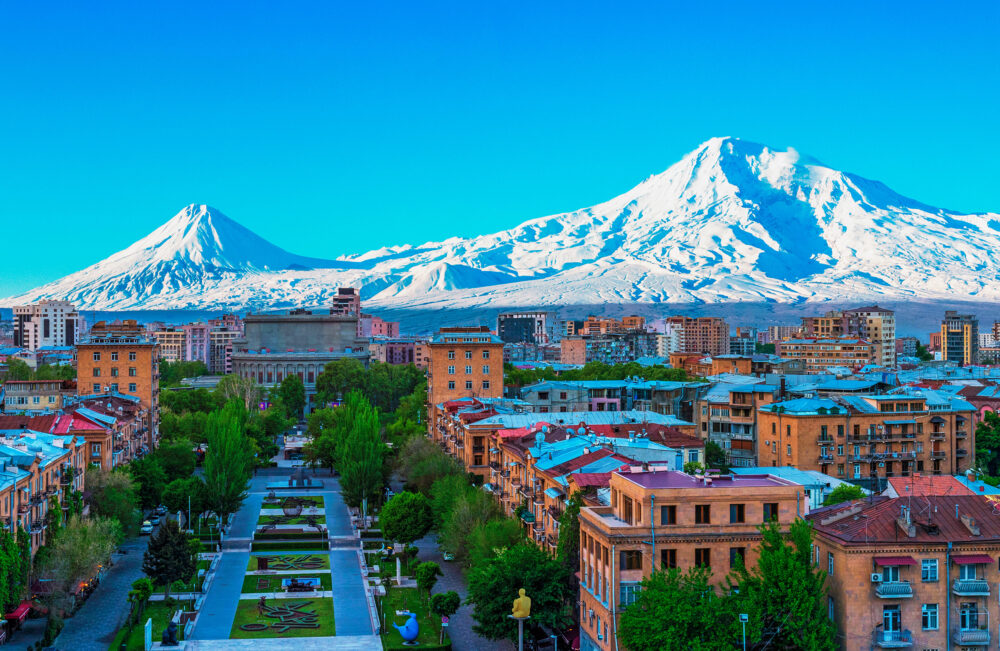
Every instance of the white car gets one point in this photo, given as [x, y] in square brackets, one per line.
[146, 528]
[448, 556]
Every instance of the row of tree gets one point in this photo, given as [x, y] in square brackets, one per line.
[516, 377]
[383, 385]
[18, 370]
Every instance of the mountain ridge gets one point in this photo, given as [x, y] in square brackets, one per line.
[731, 221]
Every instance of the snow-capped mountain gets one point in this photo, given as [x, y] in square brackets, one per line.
[731, 221]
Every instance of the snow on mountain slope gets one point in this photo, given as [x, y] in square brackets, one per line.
[731, 221]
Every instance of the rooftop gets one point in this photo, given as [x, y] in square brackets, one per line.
[675, 479]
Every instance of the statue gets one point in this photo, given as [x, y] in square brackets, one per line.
[169, 637]
[409, 630]
[522, 606]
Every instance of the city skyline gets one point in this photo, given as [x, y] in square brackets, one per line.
[123, 116]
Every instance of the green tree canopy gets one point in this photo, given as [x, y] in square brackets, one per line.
[490, 539]
[494, 585]
[843, 493]
[361, 458]
[293, 395]
[17, 370]
[228, 461]
[78, 550]
[472, 509]
[113, 495]
[444, 493]
[181, 494]
[150, 480]
[568, 545]
[715, 457]
[426, 575]
[176, 457]
[169, 557]
[406, 518]
[171, 373]
[988, 444]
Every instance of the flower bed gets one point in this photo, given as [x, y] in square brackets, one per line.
[284, 618]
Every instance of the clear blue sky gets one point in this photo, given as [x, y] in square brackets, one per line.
[331, 128]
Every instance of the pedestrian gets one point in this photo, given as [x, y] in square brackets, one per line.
[262, 605]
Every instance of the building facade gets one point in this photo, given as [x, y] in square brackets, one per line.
[871, 323]
[525, 327]
[47, 323]
[708, 335]
[960, 338]
[464, 362]
[818, 355]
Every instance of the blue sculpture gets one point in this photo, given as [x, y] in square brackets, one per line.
[409, 630]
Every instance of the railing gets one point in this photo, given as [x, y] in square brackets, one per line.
[539, 498]
[937, 454]
[971, 588]
[891, 639]
[961, 452]
[478, 449]
[893, 589]
[824, 440]
[23, 508]
[826, 458]
[960, 434]
[938, 436]
[37, 527]
[970, 636]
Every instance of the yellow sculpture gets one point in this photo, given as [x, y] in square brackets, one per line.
[522, 605]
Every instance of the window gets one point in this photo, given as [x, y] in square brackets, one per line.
[929, 569]
[770, 511]
[890, 574]
[774, 428]
[668, 558]
[451, 370]
[451, 354]
[114, 371]
[929, 617]
[97, 371]
[703, 557]
[486, 369]
[114, 387]
[823, 431]
[968, 616]
[468, 354]
[97, 357]
[967, 572]
[857, 471]
[131, 355]
[891, 619]
[468, 370]
[789, 451]
[114, 356]
[35, 400]
[630, 559]
[486, 354]
[562, 395]
[840, 450]
[668, 514]
[486, 384]
[468, 384]
[735, 552]
[840, 430]
[829, 563]
[830, 611]
[702, 514]
[451, 384]
[132, 373]
[132, 388]
[737, 513]
[97, 388]
[629, 593]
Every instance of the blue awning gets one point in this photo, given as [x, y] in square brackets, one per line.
[554, 493]
[901, 422]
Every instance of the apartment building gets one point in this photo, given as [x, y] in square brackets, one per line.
[36, 395]
[709, 335]
[960, 338]
[347, 302]
[772, 334]
[872, 323]
[906, 347]
[866, 438]
[819, 355]
[120, 358]
[911, 573]
[463, 362]
[525, 327]
[47, 323]
[727, 416]
[667, 398]
[667, 519]
[615, 348]
[172, 344]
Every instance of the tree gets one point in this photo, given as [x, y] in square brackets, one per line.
[53, 517]
[171, 373]
[113, 495]
[676, 610]
[692, 467]
[568, 545]
[988, 444]
[13, 575]
[406, 518]
[150, 480]
[426, 576]
[445, 604]
[472, 509]
[361, 457]
[494, 585]
[338, 378]
[715, 457]
[76, 553]
[184, 494]
[293, 395]
[228, 461]
[176, 457]
[17, 370]
[843, 493]
[444, 493]
[243, 389]
[168, 557]
[923, 354]
[490, 539]
[785, 594]
[767, 349]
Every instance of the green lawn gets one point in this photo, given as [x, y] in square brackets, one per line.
[313, 616]
[274, 581]
[409, 599]
[304, 562]
[315, 500]
[192, 584]
[160, 615]
[299, 519]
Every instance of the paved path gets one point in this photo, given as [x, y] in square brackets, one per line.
[350, 605]
[93, 627]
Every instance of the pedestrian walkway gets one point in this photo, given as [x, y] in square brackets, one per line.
[93, 627]
[215, 620]
[350, 604]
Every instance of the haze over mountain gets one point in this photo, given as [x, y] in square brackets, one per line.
[731, 221]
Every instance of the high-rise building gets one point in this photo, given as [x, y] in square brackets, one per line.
[464, 362]
[525, 327]
[172, 343]
[876, 324]
[120, 358]
[707, 334]
[47, 323]
[347, 302]
[960, 338]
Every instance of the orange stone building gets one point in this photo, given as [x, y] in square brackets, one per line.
[119, 358]
[818, 355]
[667, 519]
[911, 573]
[463, 363]
[861, 437]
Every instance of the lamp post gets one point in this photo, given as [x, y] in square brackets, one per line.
[744, 618]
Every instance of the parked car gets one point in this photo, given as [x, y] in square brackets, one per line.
[155, 520]
[161, 510]
[448, 556]
[146, 528]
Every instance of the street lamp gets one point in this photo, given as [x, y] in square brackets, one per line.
[744, 618]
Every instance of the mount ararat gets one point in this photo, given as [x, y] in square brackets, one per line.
[732, 221]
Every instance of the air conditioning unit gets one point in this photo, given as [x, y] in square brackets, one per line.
[876, 577]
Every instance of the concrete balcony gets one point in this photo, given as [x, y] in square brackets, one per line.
[970, 636]
[938, 454]
[824, 440]
[938, 436]
[825, 458]
[961, 452]
[893, 590]
[970, 588]
[960, 434]
[883, 639]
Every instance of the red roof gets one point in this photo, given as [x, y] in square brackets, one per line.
[918, 485]
[586, 479]
[19, 613]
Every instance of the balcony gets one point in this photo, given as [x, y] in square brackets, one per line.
[938, 436]
[23, 508]
[555, 512]
[36, 499]
[884, 639]
[970, 588]
[960, 434]
[970, 636]
[825, 458]
[824, 440]
[539, 498]
[494, 465]
[893, 590]
[961, 452]
[937, 454]
[36, 527]
[478, 449]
